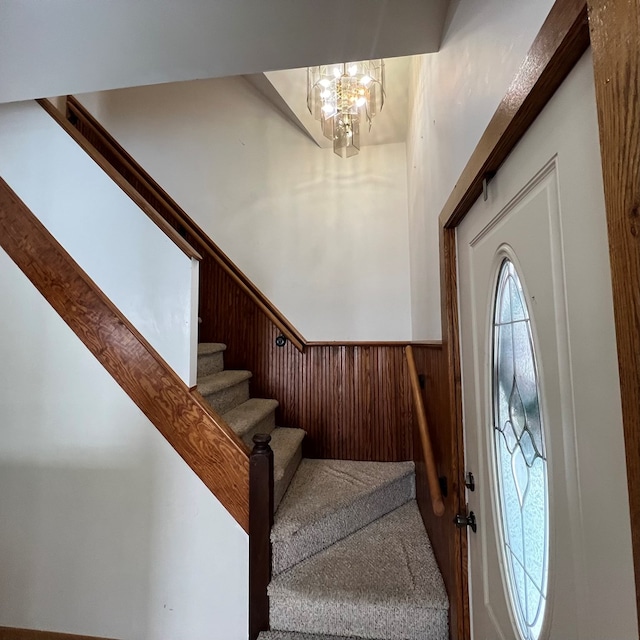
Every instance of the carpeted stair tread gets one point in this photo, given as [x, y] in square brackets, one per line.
[287, 453]
[256, 415]
[226, 389]
[330, 499]
[380, 582]
[207, 348]
[292, 635]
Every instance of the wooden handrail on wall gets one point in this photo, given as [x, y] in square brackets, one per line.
[201, 437]
[437, 502]
[176, 216]
[99, 159]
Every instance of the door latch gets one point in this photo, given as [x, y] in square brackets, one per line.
[466, 521]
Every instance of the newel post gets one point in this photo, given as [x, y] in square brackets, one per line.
[260, 523]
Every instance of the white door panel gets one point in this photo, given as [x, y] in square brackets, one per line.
[545, 213]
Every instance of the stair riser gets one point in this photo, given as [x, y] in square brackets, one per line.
[210, 363]
[226, 399]
[281, 484]
[266, 425]
[376, 621]
[340, 524]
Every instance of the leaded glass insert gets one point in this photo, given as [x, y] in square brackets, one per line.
[521, 461]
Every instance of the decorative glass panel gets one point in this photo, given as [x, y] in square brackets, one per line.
[521, 461]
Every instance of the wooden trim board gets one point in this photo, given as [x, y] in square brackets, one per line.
[11, 633]
[563, 38]
[615, 42]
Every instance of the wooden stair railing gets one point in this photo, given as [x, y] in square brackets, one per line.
[201, 437]
[344, 394]
[99, 159]
[437, 503]
[214, 259]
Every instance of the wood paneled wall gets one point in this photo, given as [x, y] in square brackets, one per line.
[354, 400]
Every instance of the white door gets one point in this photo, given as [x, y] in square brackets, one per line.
[543, 429]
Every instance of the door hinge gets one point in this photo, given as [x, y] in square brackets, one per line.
[462, 520]
[470, 482]
[486, 179]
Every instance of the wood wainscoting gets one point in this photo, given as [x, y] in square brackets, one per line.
[354, 400]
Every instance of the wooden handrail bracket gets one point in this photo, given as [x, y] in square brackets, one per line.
[437, 502]
[196, 432]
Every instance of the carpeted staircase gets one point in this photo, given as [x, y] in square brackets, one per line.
[351, 559]
[227, 391]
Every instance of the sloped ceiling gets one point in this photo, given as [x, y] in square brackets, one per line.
[55, 47]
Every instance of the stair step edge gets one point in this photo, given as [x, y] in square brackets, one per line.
[207, 348]
[221, 380]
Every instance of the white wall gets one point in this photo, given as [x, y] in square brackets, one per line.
[104, 531]
[143, 272]
[455, 94]
[326, 239]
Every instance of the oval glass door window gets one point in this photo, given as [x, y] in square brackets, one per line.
[520, 459]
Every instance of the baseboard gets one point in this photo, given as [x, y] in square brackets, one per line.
[10, 633]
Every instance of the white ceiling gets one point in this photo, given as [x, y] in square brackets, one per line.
[55, 47]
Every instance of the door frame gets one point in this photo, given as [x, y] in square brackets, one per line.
[613, 31]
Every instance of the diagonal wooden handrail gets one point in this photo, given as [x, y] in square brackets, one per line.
[201, 437]
[99, 159]
[173, 212]
[437, 502]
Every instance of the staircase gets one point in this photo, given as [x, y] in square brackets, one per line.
[351, 558]
[227, 391]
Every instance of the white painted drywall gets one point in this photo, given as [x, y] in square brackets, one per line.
[104, 531]
[455, 94]
[326, 239]
[143, 272]
[55, 48]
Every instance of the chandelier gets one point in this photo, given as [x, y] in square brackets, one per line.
[342, 96]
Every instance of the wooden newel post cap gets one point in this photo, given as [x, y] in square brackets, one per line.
[261, 443]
